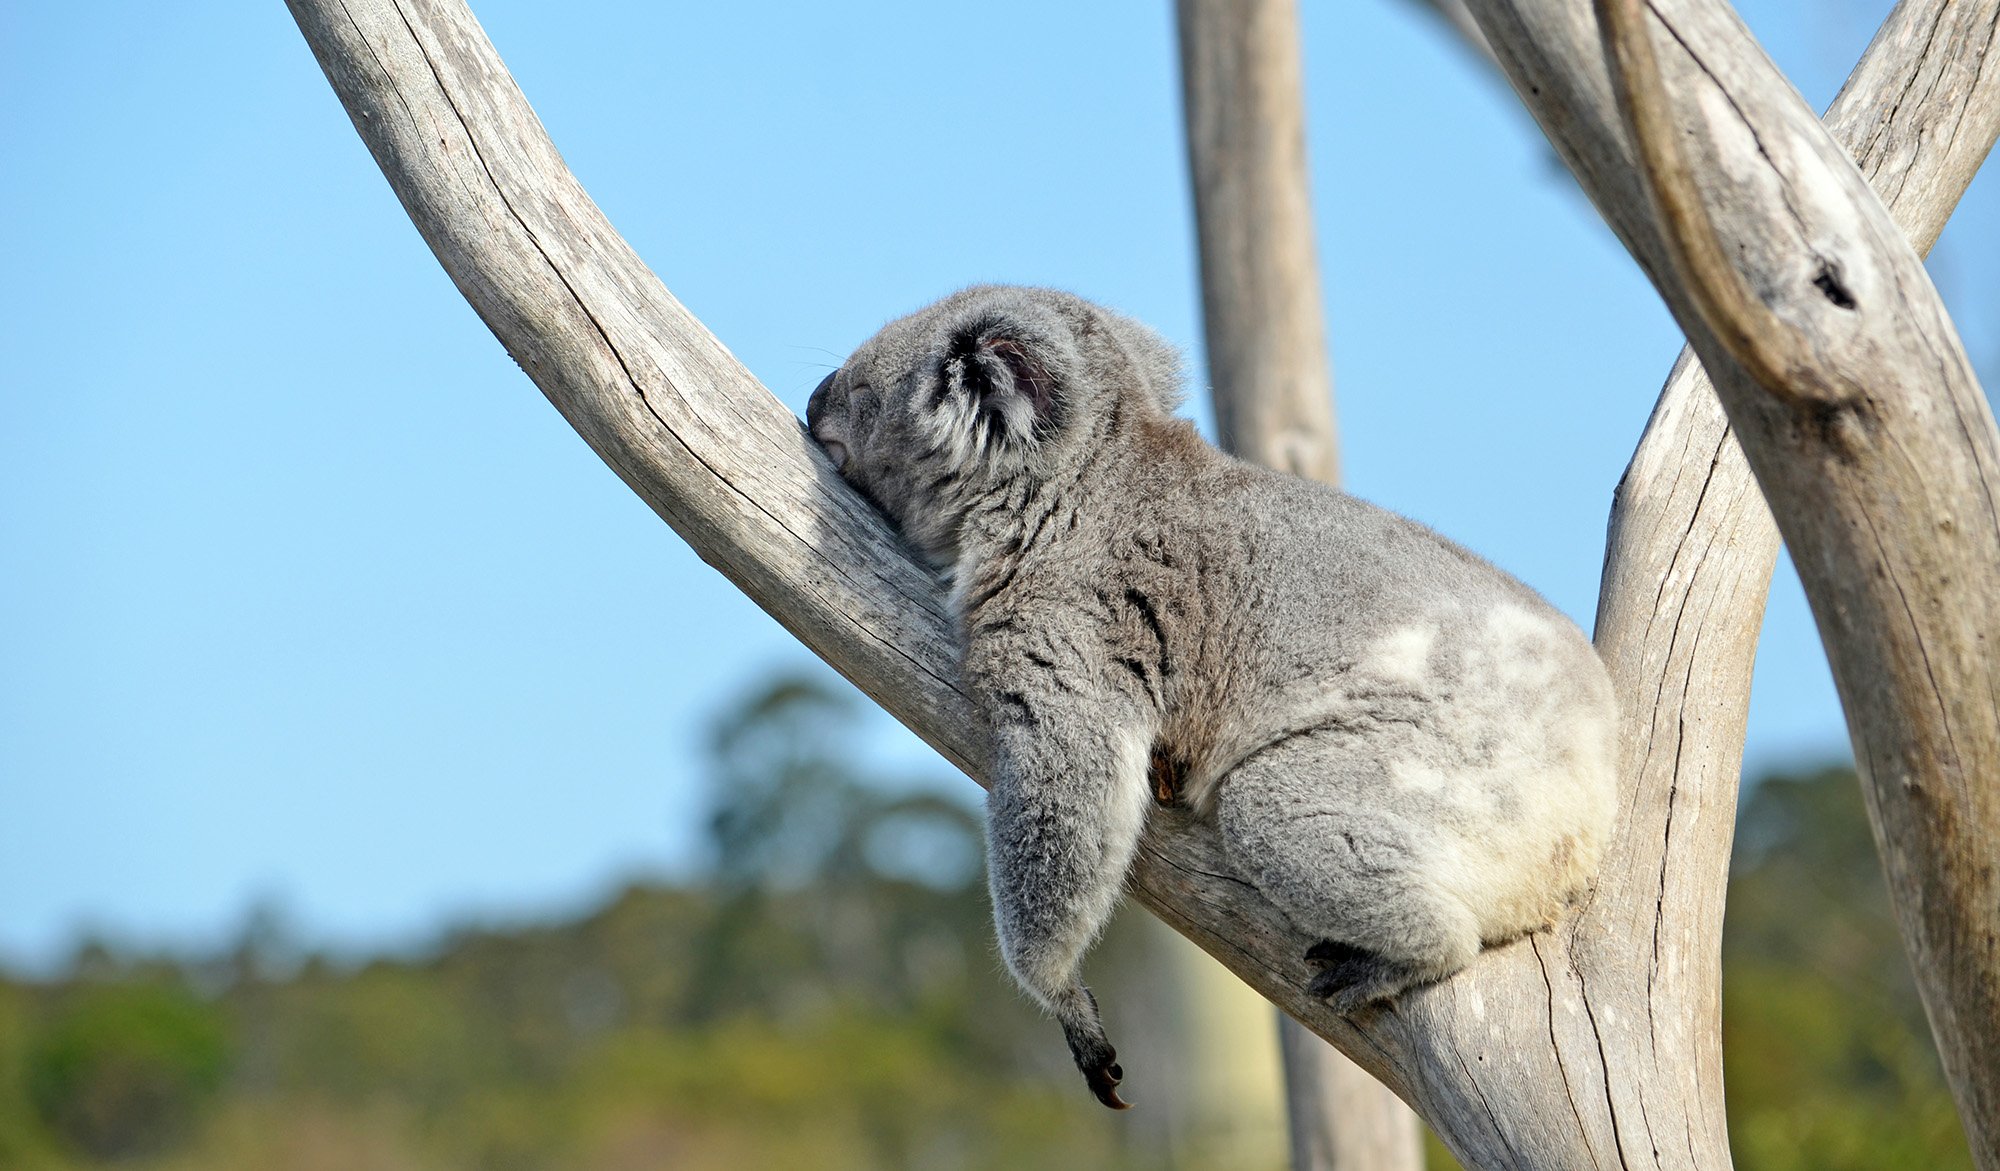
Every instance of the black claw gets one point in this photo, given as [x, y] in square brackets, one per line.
[1103, 1082]
[1351, 978]
[1332, 951]
[1339, 986]
[1093, 1054]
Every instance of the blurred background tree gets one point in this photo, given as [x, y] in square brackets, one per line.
[1829, 1060]
[125, 1068]
[827, 995]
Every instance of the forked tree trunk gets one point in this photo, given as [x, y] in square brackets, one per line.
[1870, 436]
[1243, 106]
[1595, 1045]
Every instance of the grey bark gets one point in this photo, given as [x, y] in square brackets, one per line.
[1241, 99]
[1873, 442]
[1594, 1045]
[1243, 107]
[1339, 1117]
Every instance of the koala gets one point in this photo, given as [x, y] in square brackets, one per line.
[1406, 751]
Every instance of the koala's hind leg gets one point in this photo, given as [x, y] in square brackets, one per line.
[1315, 824]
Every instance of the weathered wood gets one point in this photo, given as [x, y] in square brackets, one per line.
[671, 410]
[1552, 1052]
[1245, 118]
[1691, 551]
[1243, 109]
[1876, 447]
[1339, 1117]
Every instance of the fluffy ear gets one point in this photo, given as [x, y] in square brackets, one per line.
[1010, 384]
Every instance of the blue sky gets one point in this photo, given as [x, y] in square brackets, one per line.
[307, 596]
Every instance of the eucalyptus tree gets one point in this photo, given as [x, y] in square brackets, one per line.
[1823, 376]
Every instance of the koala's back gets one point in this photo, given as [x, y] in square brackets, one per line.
[1452, 698]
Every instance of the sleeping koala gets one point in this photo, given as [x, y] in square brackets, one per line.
[1405, 750]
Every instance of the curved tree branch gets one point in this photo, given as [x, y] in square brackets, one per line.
[1770, 351]
[1579, 1047]
[671, 410]
[1881, 459]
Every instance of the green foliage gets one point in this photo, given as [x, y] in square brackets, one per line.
[1828, 1060]
[830, 998]
[789, 811]
[124, 1069]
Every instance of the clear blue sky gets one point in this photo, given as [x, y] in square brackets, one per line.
[307, 595]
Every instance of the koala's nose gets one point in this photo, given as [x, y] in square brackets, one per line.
[816, 405]
[815, 415]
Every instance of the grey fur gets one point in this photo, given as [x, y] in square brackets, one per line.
[1406, 750]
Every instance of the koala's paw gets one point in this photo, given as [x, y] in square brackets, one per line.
[1098, 1061]
[1351, 978]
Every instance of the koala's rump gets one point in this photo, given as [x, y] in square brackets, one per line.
[1459, 704]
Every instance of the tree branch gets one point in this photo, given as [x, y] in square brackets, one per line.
[1882, 461]
[1767, 349]
[647, 386]
[1261, 314]
[1554, 1051]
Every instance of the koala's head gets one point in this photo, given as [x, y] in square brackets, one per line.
[992, 388]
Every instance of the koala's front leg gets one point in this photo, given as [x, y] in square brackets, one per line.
[1062, 824]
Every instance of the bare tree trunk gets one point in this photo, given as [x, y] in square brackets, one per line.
[1340, 1116]
[1244, 109]
[1241, 98]
[1230, 1108]
[1879, 454]
[1594, 1045]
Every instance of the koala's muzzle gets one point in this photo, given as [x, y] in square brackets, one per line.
[816, 409]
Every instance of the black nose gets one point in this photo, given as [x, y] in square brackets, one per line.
[817, 403]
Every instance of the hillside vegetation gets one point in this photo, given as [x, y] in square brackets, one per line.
[828, 997]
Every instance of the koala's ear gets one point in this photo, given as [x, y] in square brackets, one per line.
[1005, 376]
